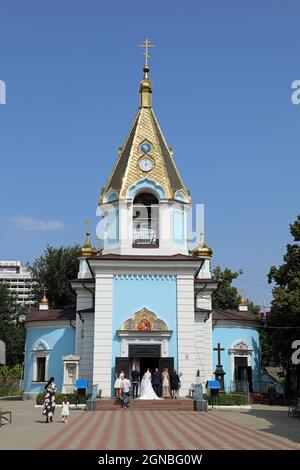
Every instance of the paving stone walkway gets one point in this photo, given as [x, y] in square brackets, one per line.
[260, 428]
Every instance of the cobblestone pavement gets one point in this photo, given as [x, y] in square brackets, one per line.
[262, 427]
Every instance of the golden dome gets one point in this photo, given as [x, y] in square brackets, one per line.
[146, 89]
[44, 300]
[146, 84]
[243, 301]
[87, 249]
[202, 251]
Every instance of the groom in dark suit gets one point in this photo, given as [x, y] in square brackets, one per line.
[156, 382]
[135, 376]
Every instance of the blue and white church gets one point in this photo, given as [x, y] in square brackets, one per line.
[145, 299]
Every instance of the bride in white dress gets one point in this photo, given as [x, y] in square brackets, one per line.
[147, 392]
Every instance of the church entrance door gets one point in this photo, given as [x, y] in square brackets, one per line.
[166, 363]
[243, 372]
[148, 363]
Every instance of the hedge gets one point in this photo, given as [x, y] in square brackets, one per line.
[229, 399]
[59, 397]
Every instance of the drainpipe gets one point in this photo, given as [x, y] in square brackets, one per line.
[92, 292]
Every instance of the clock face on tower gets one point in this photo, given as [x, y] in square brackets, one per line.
[146, 164]
[146, 147]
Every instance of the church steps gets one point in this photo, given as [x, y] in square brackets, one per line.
[181, 404]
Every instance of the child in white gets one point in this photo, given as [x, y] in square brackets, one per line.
[65, 411]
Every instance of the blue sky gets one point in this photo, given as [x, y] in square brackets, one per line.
[222, 74]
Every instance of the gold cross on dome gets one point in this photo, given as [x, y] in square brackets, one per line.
[45, 290]
[87, 223]
[146, 44]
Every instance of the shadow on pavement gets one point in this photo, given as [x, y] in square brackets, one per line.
[280, 423]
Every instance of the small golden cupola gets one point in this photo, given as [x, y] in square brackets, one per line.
[243, 304]
[146, 90]
[44, 302]
[202, 251]
[87, 249]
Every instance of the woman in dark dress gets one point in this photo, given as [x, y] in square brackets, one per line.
[174, 383]
[49, 400]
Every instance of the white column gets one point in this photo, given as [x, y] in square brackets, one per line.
[186, 331]
[103, 333]
[84, 300]
[86, 362]
[204, 359]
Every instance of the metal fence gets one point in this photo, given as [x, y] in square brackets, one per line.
[11, 388]
[241, 386]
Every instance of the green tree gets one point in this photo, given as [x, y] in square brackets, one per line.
[283, 326]
[12, 332]
[225, 296]
[53, 270]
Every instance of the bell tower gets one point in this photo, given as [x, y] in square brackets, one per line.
[145, 203]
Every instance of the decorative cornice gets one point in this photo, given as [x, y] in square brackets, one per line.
[145, 334]
[147, 277]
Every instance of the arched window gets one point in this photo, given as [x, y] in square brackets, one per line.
[40, 361]
[145, 221]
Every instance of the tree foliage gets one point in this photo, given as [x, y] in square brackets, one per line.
[12, 332]
[283, 325]
[10, 373]
[225, 296]
[53, 270]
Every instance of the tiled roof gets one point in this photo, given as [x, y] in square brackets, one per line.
[120, 168]
[176, 182]
[126, 171]
[234, 315]
[50, 315]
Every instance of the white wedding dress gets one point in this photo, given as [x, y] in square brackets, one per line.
[147, 392]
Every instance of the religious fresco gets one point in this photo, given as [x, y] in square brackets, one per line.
[144, 320]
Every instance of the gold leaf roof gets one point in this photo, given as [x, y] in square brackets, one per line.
[87, 249]
[126, 171]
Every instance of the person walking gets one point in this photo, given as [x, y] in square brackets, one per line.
[49, 400]
[65, 410]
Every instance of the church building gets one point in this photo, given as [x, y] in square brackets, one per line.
[144, 300]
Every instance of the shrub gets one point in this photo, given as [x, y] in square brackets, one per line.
[228, 399]
[10, 389]
[59, 397]
[10, 373]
